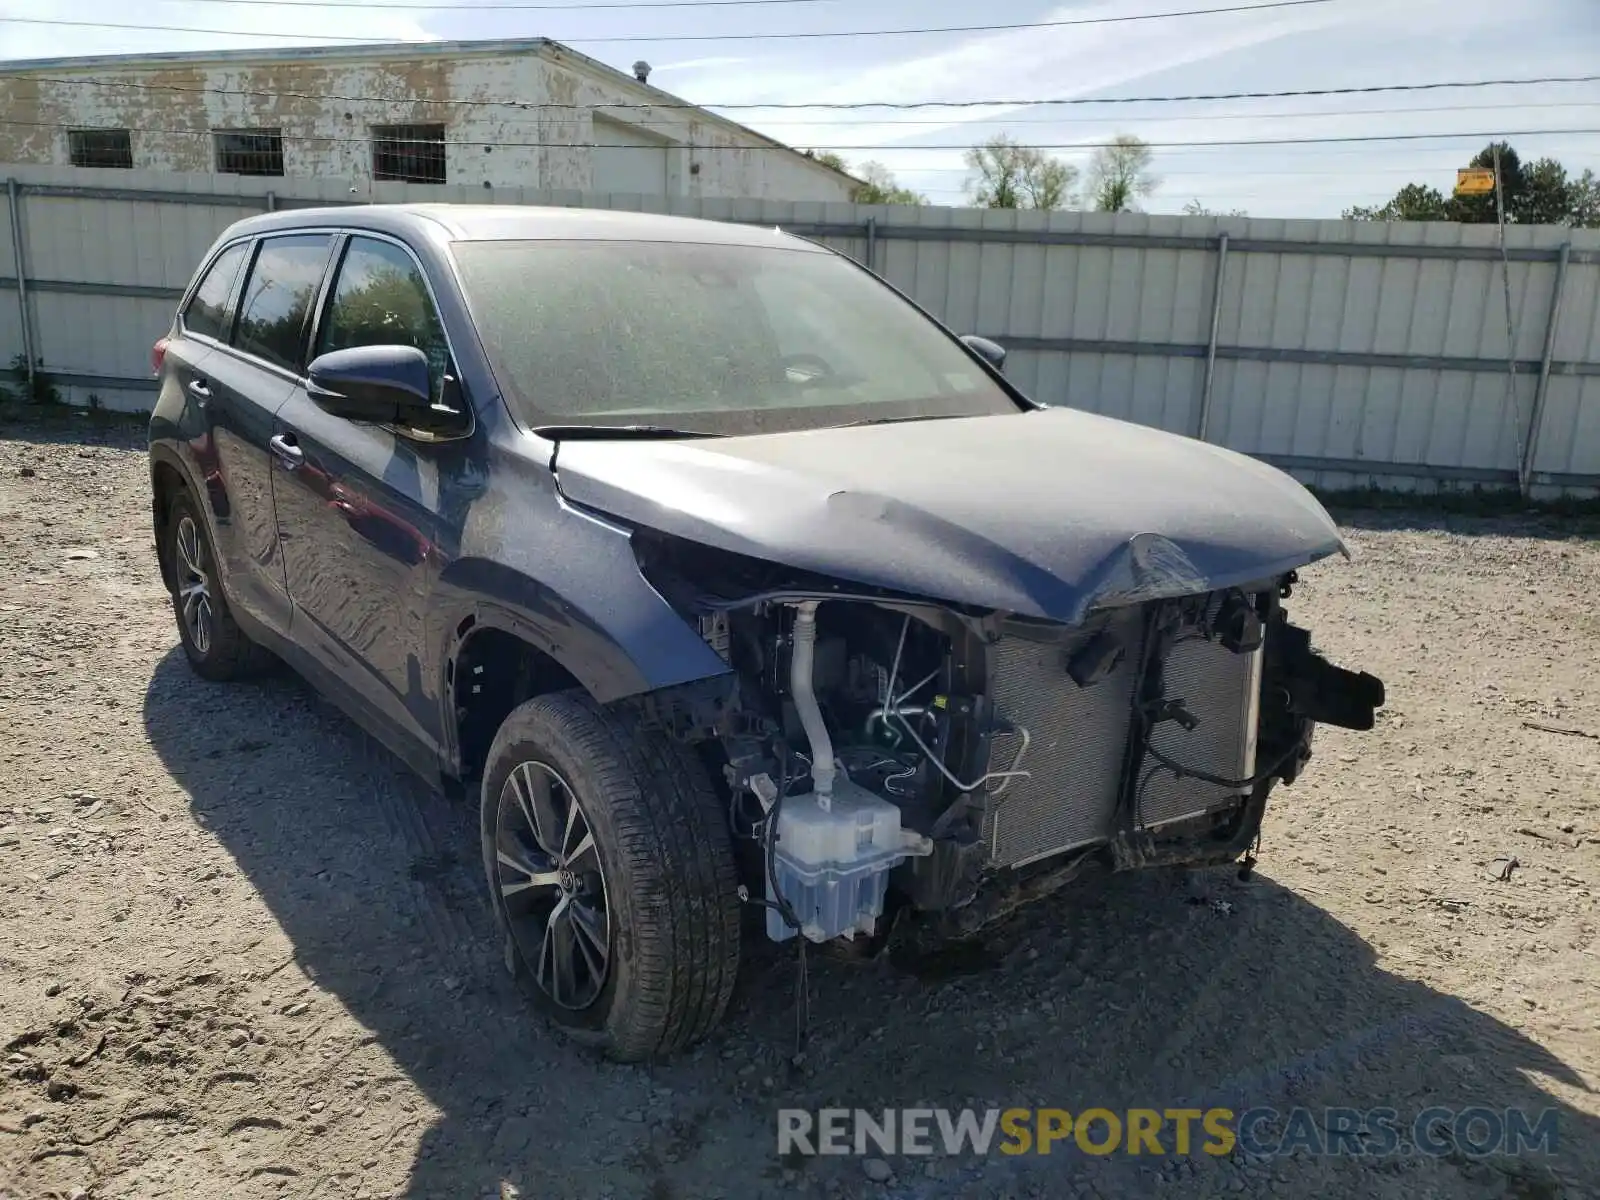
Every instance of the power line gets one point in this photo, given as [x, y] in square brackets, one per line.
[828, 123]
[831, 106]
[1309, 141]
[1501, 134]
[1352, 139]
[1237, 116]
[534, 107]
[1412, 160]
[719, 37]
[1238, 173]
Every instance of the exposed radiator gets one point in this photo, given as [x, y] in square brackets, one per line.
[1078, 736]
[1221, 688]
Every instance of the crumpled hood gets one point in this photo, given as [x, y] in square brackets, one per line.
[1047, 514]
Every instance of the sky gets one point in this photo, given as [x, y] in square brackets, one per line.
[1340, 43]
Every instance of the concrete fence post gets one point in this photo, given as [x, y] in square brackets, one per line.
[18, 253]
[1530, 444]
[1203, 421]
[872, 244]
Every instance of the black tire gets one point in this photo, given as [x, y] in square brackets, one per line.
[221, 652]
[668, 886]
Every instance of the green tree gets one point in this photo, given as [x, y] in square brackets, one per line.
[1414, 202]
[880, 187]
[1195, 209]
[1048, 183]
[1546, 197]
[1480, 209]
[878, 184]
[1583, 201]
[1539, 193]
[1120, 175]
[1008, 175]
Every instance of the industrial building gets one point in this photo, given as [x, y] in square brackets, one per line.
[529, 114]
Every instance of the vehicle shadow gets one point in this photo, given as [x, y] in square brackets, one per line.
[1117, 994]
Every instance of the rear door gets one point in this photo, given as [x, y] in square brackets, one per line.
[247, 381]
[227, 423]
[367, 513]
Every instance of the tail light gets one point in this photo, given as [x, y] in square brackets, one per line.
[158, 355]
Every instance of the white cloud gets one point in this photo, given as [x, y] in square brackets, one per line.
[700, 64]
[236, 21]
[1060, 63]
[1351, 43]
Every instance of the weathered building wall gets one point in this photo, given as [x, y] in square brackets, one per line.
[506, 117]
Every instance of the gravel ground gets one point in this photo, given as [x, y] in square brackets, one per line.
[243, 954]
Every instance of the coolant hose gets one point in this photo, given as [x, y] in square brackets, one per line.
[805, 701]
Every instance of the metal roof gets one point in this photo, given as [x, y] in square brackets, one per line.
[273, 54]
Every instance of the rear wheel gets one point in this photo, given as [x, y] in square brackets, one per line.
[611, 872]
[216, 647]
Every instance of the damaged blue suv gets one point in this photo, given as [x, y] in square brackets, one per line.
[726, 576]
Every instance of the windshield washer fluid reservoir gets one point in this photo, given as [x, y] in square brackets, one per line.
[832, 865]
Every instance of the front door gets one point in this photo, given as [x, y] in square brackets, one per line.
[368, 514]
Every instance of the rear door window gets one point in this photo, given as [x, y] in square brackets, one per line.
[278, 297]
[209, 313]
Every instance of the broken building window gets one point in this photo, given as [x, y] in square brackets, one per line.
[249, 151]
[101, 148]
[409, 153]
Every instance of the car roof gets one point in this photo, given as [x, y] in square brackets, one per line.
[513, 222]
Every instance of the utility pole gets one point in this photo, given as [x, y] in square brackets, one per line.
[1512, 408]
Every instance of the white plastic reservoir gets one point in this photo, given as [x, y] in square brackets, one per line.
[832, 865]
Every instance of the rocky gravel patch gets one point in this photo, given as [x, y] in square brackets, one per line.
[243, 953]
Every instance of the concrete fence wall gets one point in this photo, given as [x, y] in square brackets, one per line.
[1352, 353]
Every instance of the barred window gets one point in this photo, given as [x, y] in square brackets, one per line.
[408, 153]
[100, 148]
[249, 151]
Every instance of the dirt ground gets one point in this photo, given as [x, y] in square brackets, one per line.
[244, 954]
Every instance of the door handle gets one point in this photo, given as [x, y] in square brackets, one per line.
[199, 390]
[287, 450]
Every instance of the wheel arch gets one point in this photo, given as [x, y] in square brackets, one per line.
[493, 668]
[497, 658]
[168, 480]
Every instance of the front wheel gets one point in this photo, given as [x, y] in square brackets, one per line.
[611, 871]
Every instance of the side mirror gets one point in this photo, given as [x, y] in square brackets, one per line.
[389, 385]
[992, 353]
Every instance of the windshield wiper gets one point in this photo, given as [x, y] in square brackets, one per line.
[558, 433]
[902, 420]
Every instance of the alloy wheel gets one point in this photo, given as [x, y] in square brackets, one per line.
[553, 885]
[194, 585]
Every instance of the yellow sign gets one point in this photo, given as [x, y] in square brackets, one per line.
[1474, 181]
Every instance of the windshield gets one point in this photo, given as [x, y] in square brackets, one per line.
[709, 338]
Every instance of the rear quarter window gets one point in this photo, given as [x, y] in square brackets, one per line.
[208, 313]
